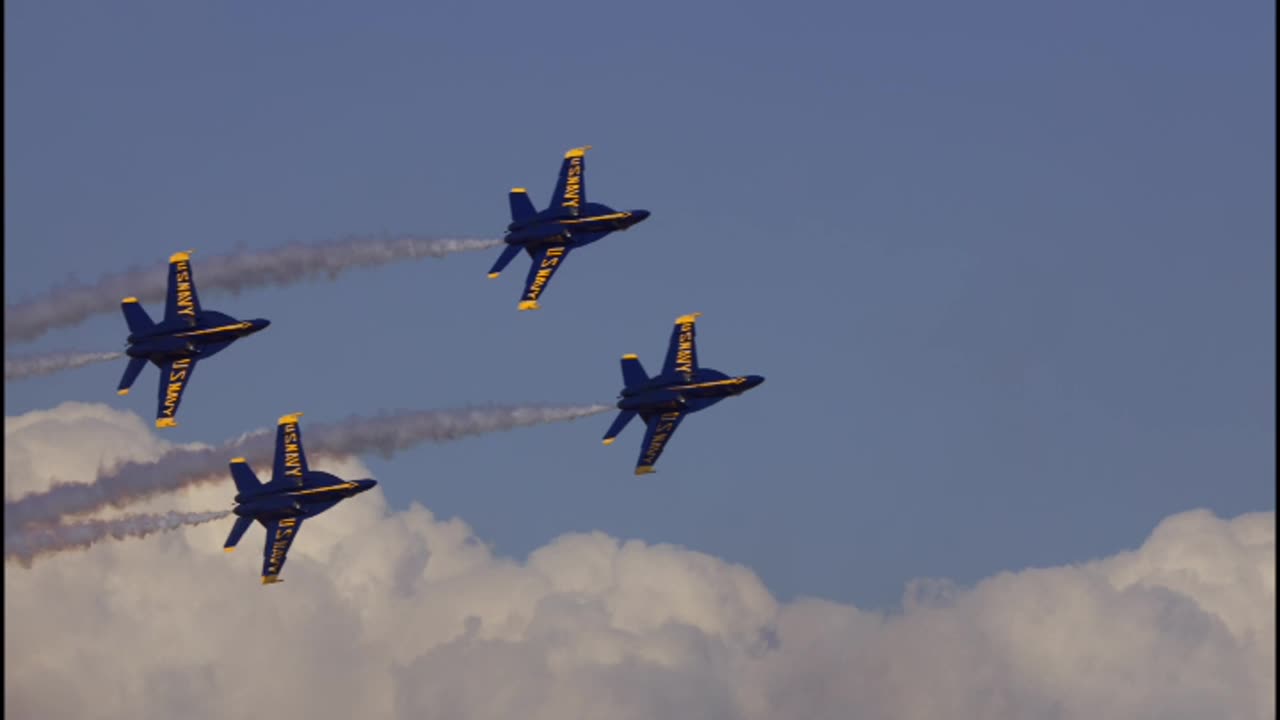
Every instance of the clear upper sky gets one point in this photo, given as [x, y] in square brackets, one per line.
[1008, 267]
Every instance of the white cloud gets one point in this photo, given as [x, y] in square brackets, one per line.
[402, 615]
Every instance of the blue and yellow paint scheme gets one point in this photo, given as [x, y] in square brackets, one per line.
[663, 401]
[187, 334]
[294, 494]
[569, 222]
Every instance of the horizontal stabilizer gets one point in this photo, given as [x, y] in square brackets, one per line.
[137, 317]
[509, 253]
[242, 474]
[521, 206]
[619, 423]
[237, 532]
[633, 373]
[131, 372]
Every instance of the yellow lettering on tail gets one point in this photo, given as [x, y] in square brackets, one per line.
[573, 184]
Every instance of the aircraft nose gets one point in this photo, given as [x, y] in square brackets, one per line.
[366, 484]
[260, 324]
[754, 380]
[639, 216]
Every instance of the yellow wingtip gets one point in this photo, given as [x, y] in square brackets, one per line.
[528, 305]
[230, 549]
[271, 579]
[609, 441]
[180, 256]
[123, 392]
[166, 422]
[577, 152]
[290, 418]
[688, 318]
[129, 300]
[631, 356]
[645, 470]
[239, 460]
[520, 190]
[494, 275]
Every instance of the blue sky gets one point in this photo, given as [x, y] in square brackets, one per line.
[1008, 268]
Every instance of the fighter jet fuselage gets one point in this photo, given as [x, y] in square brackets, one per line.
[318, 492]
[553, 227]
[702, 389]
[212, 332]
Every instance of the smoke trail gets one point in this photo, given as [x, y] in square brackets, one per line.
[180, 468]
[293, 263]
[25, 544]
[33, 365]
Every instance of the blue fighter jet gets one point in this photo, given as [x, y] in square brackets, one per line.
[186, 335]
[294, 494]
[663, 401]
[568, 222]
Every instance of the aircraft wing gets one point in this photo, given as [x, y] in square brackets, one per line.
[546, 260]
[175, 375]
[180, 301]
[280, 536]
[571, 185]
[656, 436]
[682, 351]
[290, 464]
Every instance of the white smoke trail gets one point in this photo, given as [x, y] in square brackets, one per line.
[33, 365]
[293, 263]
[384, 434]
[25, 544]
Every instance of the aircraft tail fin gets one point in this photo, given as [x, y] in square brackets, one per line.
[135, 315]
[632, 371]
[619, 423]
[509, 253]
[131, 372]
[243, 476]
[521, 206]
[237, 532]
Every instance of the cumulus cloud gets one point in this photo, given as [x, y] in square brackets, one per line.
[406, 615]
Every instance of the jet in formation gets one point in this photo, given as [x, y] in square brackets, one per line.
[187, 334]
[663, 401]
[294, 494]
[569, 222]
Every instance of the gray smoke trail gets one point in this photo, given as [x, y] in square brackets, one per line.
[181, 468]
[25, 544]
[33, 365]
[293, 263]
